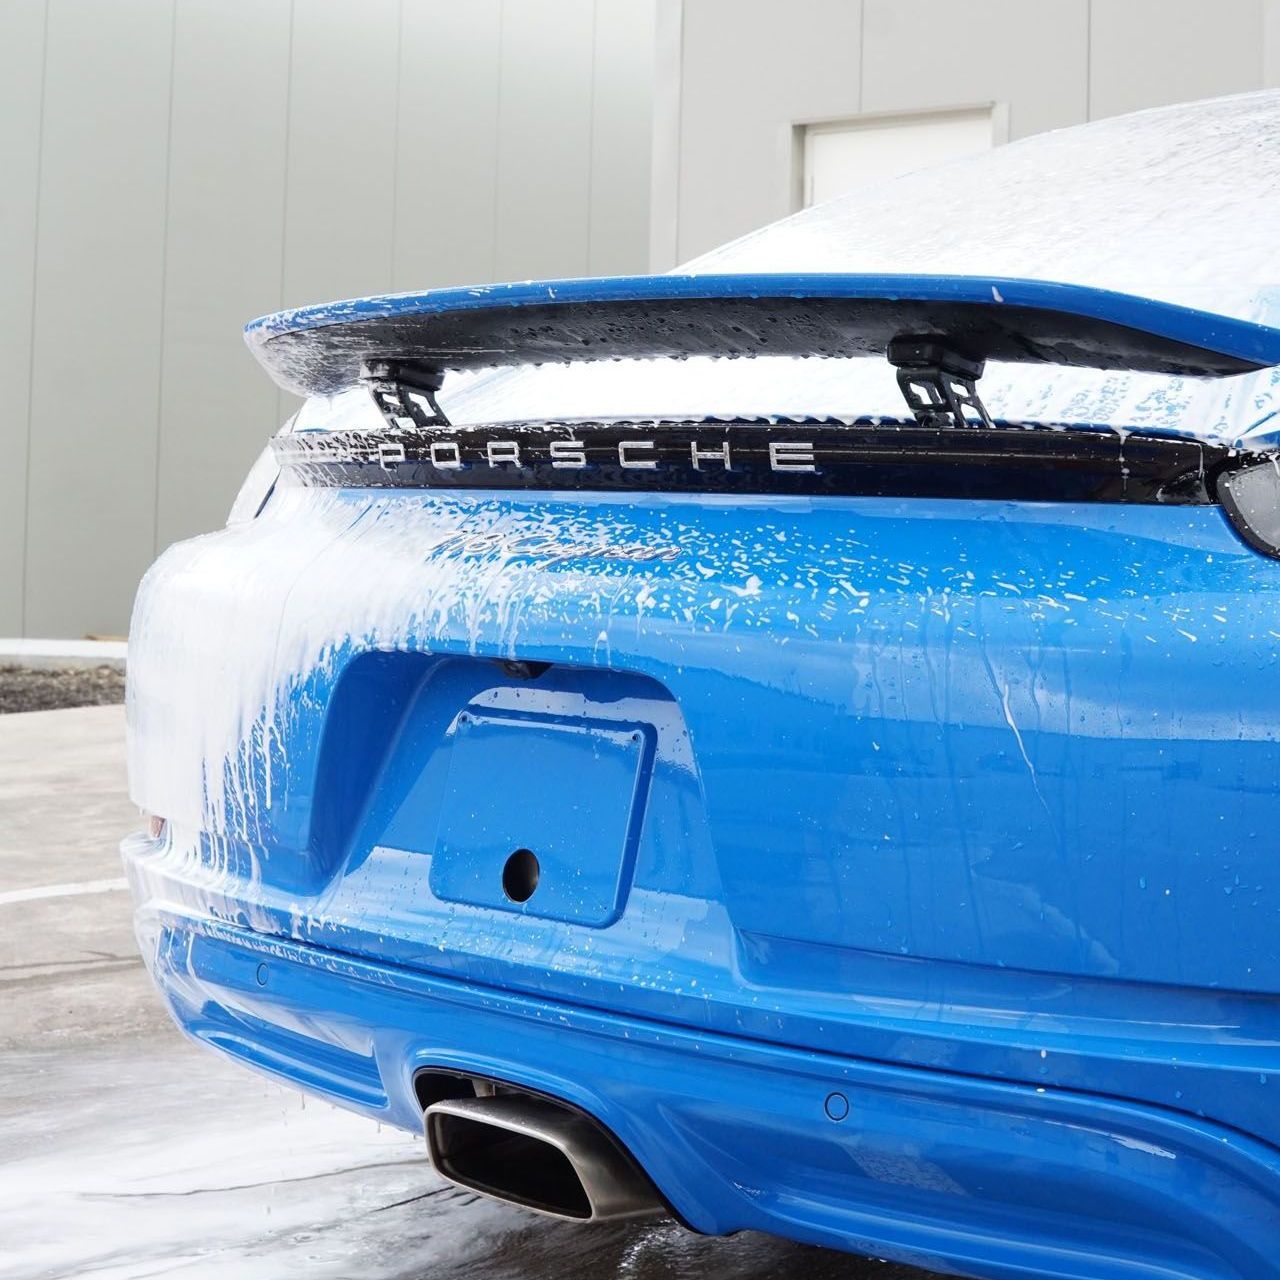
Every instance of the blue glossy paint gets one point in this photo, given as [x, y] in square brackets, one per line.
[965, 810]
[934, 1168]
[570, 787]
[319, 348]
[1224, 334]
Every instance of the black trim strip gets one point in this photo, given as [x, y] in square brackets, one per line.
[1036, 464]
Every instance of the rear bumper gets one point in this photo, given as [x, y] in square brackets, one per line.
[946, 1171]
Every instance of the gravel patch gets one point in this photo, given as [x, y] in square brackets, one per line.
[48, 688]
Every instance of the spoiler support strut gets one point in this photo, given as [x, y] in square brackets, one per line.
[390, 388]
[937, 383]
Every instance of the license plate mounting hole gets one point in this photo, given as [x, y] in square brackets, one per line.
[520, 875]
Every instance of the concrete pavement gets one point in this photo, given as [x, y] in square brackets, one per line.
[69, 969]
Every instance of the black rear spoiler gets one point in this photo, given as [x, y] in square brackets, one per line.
[323, 349]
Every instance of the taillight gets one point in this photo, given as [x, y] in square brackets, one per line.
[1251, 499]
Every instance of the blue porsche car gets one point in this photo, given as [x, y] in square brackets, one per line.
[791, 745]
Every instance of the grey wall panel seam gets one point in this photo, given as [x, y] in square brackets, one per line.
[1262, 45]
[31, 337]
[281, 401]
[497, 141]
[666, 74]
[591, 138]
[164, 284]
[679, 128]
[395, 150]
[678, 201]
[862, 58]
[1088, 62]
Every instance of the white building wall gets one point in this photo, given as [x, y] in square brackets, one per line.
[173, 168]
[751, 71]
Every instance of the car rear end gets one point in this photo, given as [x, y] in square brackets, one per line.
[888, 864]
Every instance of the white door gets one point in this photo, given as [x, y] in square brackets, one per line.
[844, 154]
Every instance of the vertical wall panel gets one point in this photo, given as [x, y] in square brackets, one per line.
[196, 171]
[225, 224]
[621, 137]
[1271, 44]
[96, 362]
[752, 69]
[447, 143]
[664, 153]
[544, 139]
[1146, 53]
[936, 53]
[342, 114]
[21, 78]
[340, 180]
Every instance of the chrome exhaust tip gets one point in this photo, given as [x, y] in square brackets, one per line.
[538, 1154]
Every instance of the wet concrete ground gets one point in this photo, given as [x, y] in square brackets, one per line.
[126, 1152]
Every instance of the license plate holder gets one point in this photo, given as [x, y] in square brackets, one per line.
[570, 791]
